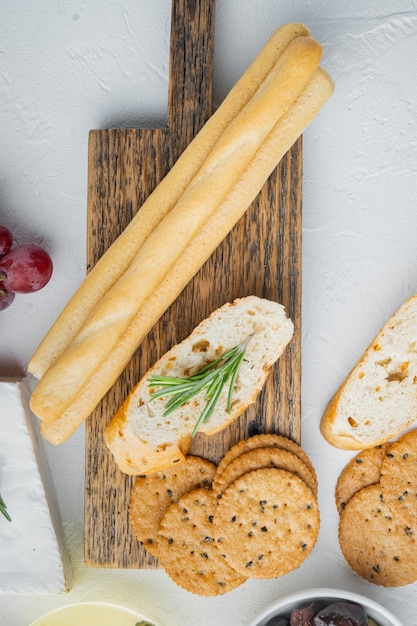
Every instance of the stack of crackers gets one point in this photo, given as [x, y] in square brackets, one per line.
[255, 515]
[376, 496]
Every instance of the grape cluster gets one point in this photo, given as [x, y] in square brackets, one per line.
[321, 614]
[23, 269]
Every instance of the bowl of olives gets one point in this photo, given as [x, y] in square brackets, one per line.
[325, 607]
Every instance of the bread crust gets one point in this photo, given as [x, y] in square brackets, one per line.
[132, 452]
[342, 430]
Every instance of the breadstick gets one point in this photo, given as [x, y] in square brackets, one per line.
[119, 256]
[284, 134]
[222, 168]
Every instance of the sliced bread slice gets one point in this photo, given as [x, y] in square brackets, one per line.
[378, 399]
[142, 440]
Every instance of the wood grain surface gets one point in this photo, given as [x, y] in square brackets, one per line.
[261, 256]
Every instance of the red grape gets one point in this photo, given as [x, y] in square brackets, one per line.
[6, 298]
[25, 269]
[6, 240]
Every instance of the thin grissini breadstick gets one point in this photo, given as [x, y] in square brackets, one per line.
[284, 134]
[119, 256]
[222, 168]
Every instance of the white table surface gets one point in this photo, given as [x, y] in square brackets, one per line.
[67, 67]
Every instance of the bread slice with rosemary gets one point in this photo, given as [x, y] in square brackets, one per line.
[209, 379]
[378, 399]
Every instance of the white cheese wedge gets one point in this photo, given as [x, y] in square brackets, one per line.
[33, 559]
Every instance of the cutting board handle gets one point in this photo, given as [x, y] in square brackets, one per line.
[190, 94]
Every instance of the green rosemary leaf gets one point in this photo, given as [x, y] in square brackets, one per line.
[179, 388]
[209, 408]
[166, 381]
[3, 509]
[233, 380]
[216, 382]
[211, 378]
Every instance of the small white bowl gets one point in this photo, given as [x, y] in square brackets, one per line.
[92, 614]
[286, 604]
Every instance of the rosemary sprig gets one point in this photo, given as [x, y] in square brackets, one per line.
[212, 378]
[3, 509]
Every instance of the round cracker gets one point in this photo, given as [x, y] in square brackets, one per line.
[259, 458]
[187, 548]
[363, 470]
[264, 440]
[375, 542]
[399, 477]
[266, 523]
[152, 495]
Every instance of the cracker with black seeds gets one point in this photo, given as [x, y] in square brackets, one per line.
[264, 440]
[266, 523]
[399, 477]
[375, 541]
[363, 470]
[187, 548]
[260, 458]
[152, 495]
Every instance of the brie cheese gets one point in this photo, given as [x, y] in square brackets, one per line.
[32, 553]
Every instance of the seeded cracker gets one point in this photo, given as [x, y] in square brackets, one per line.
[260, 458]
[399, 477]
[154, 493]
[363, 470]
[375, 542]
[266, 523]
[187, 547]
[265, 440]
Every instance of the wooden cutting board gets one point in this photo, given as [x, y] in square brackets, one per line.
[261, 256]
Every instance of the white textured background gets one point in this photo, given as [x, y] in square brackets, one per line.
[67, 67]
